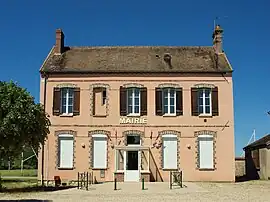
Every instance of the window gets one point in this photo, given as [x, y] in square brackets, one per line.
[133, 101]
[99, 101]
[67, 98]
[133, 140]
[169, 151]
[169, 100]
[204, 101]
[65, 151]
[104, 96]
[99, 151]
[205, 149]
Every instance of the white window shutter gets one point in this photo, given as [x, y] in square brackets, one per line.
[66, 152]
[206, 152]
[100, 152]
[170, 152]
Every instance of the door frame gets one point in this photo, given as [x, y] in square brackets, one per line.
[139, 164]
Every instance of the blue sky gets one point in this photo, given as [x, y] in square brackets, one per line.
[27, 33]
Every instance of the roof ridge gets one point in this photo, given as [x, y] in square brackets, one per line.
[157, 46]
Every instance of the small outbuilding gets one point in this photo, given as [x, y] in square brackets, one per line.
[257, 158]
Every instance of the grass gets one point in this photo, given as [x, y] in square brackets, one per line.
[27, 185]
[17, 173]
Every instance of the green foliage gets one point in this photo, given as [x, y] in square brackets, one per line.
[23, 123]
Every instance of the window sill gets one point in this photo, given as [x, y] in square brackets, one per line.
[169, 115]
[206, 169]
[169, 169]
[119, 172]
[66, 115]
[133, 115]
[205, 115]
[99, 168]
[100, 116]
[61, 168]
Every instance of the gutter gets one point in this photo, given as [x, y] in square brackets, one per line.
[42, 150]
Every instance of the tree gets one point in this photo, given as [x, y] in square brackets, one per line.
[23, 123]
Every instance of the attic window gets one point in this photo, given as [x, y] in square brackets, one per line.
[167, 58]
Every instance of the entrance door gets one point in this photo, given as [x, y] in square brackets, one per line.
[132, 164]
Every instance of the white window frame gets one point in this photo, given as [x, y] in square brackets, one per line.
[205, 137]
[169, 136]
[69, 136]
[93, 150]
[169, 103]
[69, 90]
[132, 113]
[204, 105]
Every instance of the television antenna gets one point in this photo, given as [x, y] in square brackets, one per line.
[252, 139]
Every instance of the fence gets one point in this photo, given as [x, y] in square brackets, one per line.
[176, 178]
[84, 180]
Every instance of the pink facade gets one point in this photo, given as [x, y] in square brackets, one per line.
[181, 128]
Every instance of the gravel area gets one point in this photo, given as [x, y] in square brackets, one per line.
[243, 191]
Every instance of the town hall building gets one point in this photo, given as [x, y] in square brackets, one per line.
[138, 112]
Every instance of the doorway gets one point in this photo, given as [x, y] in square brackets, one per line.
[132, 171]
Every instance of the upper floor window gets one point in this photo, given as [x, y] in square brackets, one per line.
[133, 101]
[169, 101]
[204, 101]
[67, 99]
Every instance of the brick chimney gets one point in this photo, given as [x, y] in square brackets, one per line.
[59, 43]
[217, 39]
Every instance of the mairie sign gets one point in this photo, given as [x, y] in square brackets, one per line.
[132, 120]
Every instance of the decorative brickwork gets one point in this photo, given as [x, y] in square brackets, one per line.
[66, 85]
[60, 132]
[204, 85]
[205, 132]
[99, 85]
[166, 132]
[133, 132]
[169, 85]
[133, 85]
[90, 134]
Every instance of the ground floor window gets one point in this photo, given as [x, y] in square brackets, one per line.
[169, 151]
[65, 151]
[99, 151]
[206, 151]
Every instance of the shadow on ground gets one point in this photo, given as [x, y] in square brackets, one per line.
[28, 200]
[241, 179]
[34, 189]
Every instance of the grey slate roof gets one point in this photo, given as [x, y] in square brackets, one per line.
[262, 142]
[136, 59]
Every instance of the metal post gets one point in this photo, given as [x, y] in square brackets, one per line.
[142, 183]
[78, 185]
[87, 183]
[115, 187]
[170, 179]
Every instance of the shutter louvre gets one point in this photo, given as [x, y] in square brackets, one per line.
[143, 101]
[56, 101]
[215, 110]
[179, 101]
[159, 102]
[194, 102]
[123, 101]
[76, 102]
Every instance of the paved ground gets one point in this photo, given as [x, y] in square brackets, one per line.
[244, 191]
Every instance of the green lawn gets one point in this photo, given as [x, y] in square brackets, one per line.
[18, 173]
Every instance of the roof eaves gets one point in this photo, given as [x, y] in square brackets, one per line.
[46, 59]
